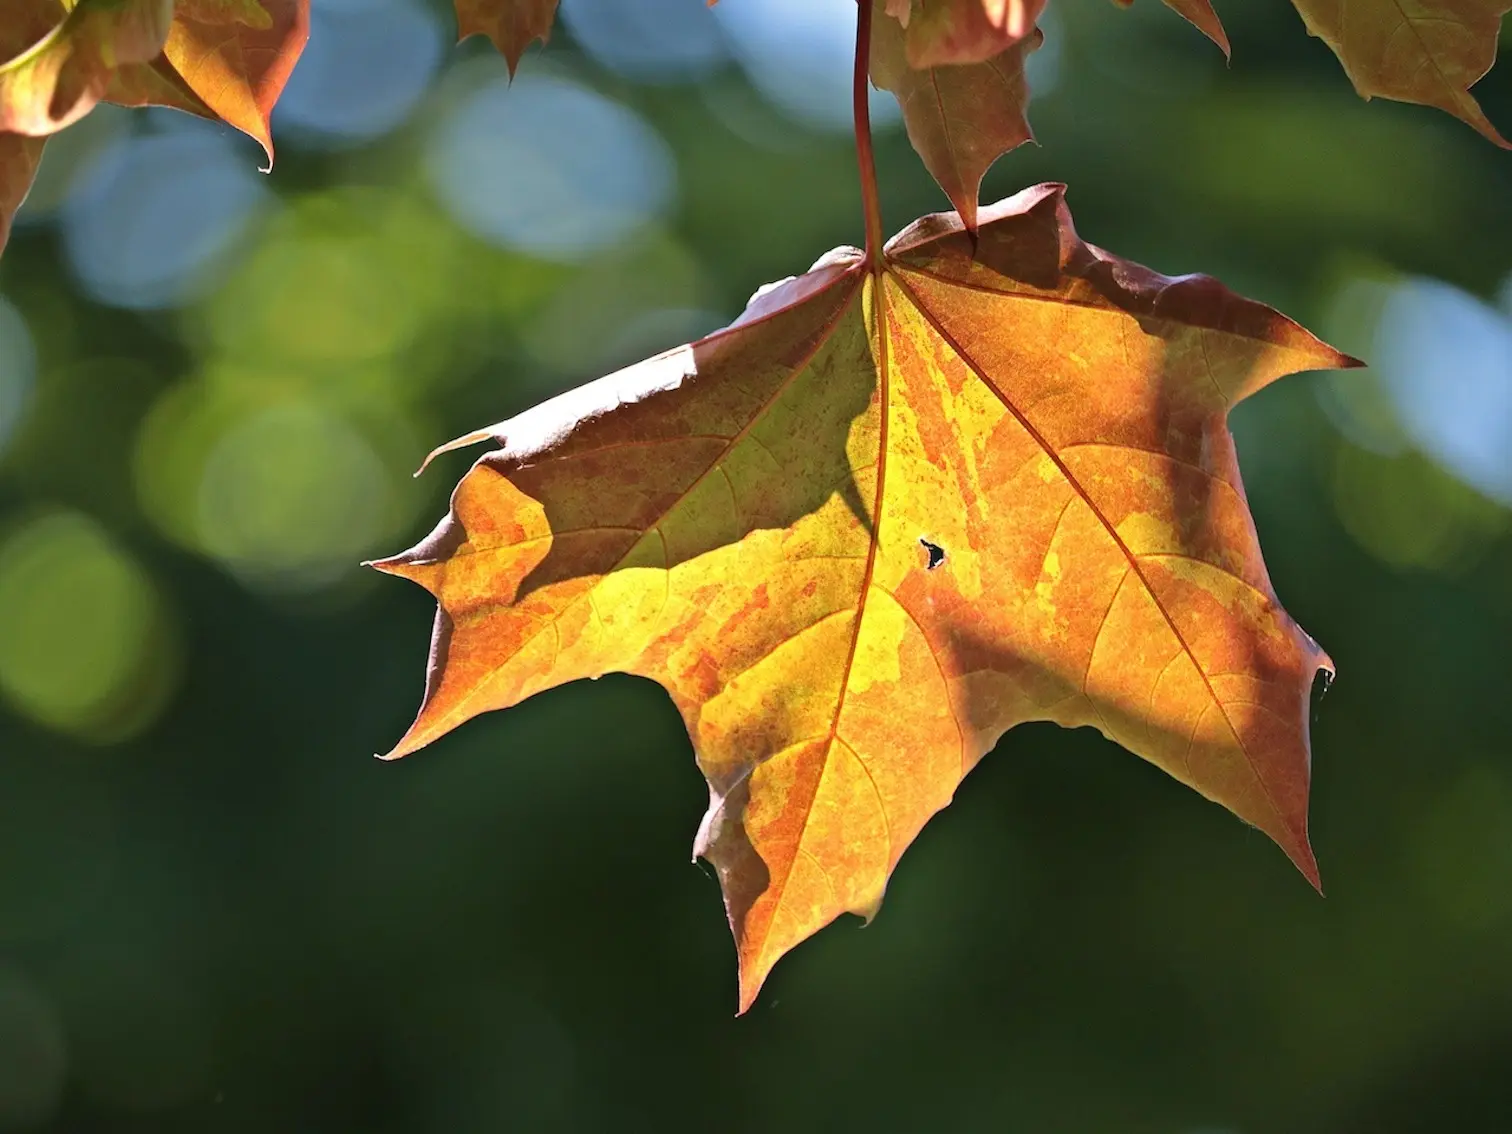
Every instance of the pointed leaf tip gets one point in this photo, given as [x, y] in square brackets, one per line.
[512, 25]
[1200, 14]
[1304, 860]
[1430, 53]
[59, 78]
[960, 118]
[226, 60]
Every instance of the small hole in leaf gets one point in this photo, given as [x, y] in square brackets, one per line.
[936, 554]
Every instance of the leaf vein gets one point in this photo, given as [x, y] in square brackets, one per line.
[1108, 526]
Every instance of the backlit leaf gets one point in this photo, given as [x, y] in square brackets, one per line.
[1425, 51]
[513, 25]
[221, 57]
[155, 84]
[960, 117]
[881, 519]
[962, 31]
[249, 13]
[1200, 14]
[27, 23]
[59, 79]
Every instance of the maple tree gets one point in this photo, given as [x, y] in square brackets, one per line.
[933, 488]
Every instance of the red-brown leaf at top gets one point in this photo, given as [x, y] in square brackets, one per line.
[26, 25]
[1424, 51]
[155, 84]
[891, 512]
[1200, 14]
[1429, 52]
[962, 31]
[960, 117]
[248, 13]
[60, 78]
[226, 59]
[513, 25]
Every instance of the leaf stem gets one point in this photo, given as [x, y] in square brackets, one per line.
[871, 203]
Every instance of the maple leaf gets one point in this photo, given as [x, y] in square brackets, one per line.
[879, 520]
[1429, 52]
[21, 154]
[221, 59]
[225, 59]
[513, 25]
[1198, 13]
[249, 13]
[960, 117]
[961, 31]
[61, 77]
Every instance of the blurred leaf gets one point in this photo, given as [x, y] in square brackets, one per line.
[1429, 53]
[962, 31]
[880, 520]
[248, 13]
[85, 646]
[227, 59]
[513, 25]
[1411, 514]
[1200, 14]
[59, 79]
[960, 118]
[20, 155]
[155, 84]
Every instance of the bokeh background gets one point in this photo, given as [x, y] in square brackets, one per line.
[219, 913]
